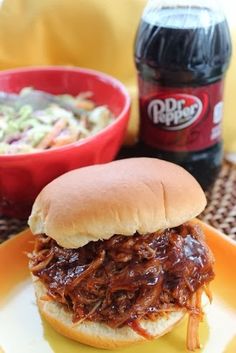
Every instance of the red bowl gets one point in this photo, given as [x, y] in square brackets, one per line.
[22, 176]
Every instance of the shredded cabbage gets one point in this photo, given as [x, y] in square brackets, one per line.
[24, 130]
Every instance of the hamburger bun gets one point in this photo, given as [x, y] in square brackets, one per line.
[97, 334]
[141, 195]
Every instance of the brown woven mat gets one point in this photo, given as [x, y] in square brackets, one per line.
[220, 212]
[221, 209]
[10, 227]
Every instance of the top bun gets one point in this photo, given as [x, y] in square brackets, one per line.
[141, 195]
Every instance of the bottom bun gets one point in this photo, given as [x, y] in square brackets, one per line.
[97, 334]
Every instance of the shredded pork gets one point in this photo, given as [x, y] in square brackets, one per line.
[125, 279]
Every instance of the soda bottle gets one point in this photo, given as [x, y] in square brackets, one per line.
[182, 52]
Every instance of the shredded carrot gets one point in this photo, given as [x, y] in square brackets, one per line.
[85, 104]
[61, 141]
[56, 129]
[84, 95]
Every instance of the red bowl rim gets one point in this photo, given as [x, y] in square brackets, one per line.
[115, 82]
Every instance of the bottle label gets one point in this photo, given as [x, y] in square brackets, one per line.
[181, 119]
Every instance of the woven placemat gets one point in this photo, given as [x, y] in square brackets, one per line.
[221, 208]
[10, 227]
[220, 211]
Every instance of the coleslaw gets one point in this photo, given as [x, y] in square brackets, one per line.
[24, 129]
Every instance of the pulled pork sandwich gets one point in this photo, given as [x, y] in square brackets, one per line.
[117, 259]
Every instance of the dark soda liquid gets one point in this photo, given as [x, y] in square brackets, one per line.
[178, 48]
[176, 51]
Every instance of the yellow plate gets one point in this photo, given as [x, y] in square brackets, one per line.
[22, 330]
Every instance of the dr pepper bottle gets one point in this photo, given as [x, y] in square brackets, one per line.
[182, 52]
